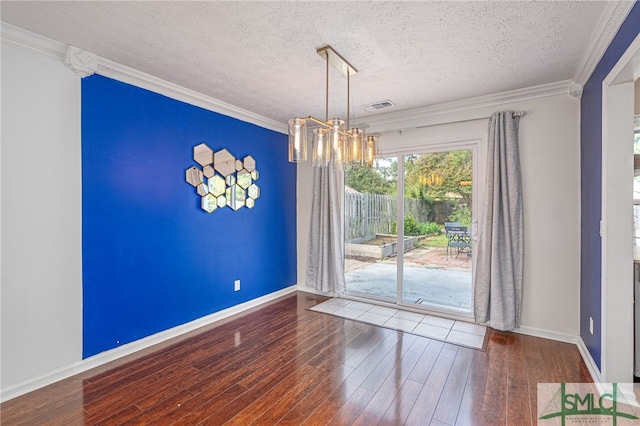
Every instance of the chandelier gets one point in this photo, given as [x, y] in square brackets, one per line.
[333, 139]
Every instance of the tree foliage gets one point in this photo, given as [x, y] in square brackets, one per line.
[432, 176]
[440, 176]
[372, 180]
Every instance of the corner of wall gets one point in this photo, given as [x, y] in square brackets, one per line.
[588, 360]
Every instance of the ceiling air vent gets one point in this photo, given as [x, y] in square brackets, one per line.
[378, 105]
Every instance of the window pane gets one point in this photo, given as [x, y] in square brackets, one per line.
[370, 229]
[438, 197]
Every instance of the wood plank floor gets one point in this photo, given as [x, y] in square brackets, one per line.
[283, 364]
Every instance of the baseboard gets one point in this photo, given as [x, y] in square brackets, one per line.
[313, 290]
[547, 334]
[567, 338]
[588, 360]
[32, 384]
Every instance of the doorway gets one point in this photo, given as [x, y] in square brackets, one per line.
[399, 247]
[617, 217]
[437, 267]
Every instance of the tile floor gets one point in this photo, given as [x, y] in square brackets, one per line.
[448, 330]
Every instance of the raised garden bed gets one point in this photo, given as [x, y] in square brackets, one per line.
[378, 246]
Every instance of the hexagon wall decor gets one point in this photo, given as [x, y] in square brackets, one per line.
[224, 180]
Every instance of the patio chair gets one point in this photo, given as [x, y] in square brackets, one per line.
[458, 238]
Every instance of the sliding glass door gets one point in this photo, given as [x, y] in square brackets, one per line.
[438, 216]
[370, 229]
[409, 223]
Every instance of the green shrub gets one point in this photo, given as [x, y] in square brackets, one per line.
[413, 227]
[461, 213]
[429, 228]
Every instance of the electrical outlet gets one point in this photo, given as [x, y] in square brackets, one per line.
[236, 285]
[591, 325]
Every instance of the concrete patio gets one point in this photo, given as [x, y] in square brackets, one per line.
[430, 277]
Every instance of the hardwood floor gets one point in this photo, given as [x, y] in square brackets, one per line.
[283, 364]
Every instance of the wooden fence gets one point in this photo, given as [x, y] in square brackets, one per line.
[370, 214]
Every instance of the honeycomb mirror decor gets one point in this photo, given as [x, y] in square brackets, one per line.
[235, 197]
[244, 179]
[223, 180]
[224, 163]
[217, 186]
[202, 155]
[209, 203]
[194, 176]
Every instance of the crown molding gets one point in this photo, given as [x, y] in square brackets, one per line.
[32, 42]
[575, 90]
[612, 17]
[84, 64]
[107, 68]
[129, 75]
[411, 118]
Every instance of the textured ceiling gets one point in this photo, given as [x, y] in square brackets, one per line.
[261, 56]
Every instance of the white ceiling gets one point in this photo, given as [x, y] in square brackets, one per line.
[261, 56]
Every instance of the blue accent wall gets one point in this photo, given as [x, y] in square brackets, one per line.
[152, 259]
[591, 184]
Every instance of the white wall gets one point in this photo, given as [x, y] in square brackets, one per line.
[41, 287]
[303, 190]
[550, 159]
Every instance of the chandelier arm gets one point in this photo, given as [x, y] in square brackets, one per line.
[324, 123]
[348, 92]
[318, 121]
[326, 101]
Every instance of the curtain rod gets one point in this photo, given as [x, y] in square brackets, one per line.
[514, 115]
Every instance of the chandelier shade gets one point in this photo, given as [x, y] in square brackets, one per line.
[371, 150]
[321, 151]
[331, 143]
[355, 146]
[297, 140]
[337, 141]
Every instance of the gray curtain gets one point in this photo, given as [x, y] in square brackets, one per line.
[325, 270]
[500, 251]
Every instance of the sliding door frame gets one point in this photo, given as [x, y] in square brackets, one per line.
[432, 138]
[475, 146]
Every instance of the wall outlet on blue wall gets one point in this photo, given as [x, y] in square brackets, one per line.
[236, 285]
